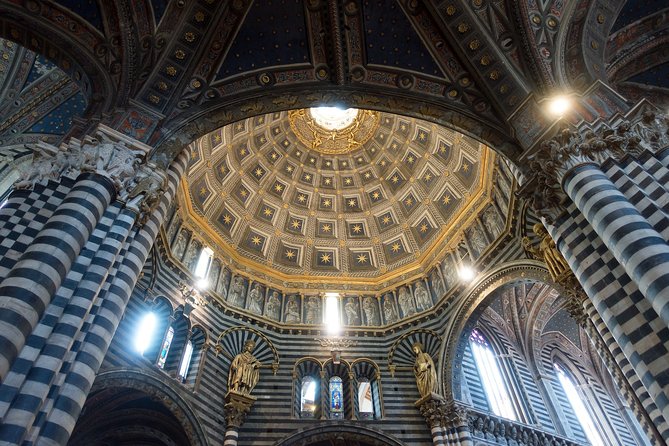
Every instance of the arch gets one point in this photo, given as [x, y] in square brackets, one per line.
[343, 432]
[303, 368]
[157, 388]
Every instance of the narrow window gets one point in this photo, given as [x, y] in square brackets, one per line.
[166, 347]
[308, 397]
[331, 317]
[185, 361]
[365, 402]
[336, 397]
[493, 384]
[577, 404]
[144, 334]
[203, 263]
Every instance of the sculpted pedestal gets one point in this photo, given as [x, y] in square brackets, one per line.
[237, 406]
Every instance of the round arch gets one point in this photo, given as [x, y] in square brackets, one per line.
[340, 433]
[157, 389]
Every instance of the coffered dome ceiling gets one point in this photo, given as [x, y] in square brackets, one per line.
[363, 198]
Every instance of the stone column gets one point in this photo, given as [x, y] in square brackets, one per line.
[447, 421]
[237, 406]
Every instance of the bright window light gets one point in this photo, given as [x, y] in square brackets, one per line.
[203, 263]
[467, 273]
[333, 118]
[331, 315]
[559, 105]
[3, 204]
[308, 400]
[493, 384]
[185, 360]
[580, 410]
[166, 347]
[365, 404]
[144, 334]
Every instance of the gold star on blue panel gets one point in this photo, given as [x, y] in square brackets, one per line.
[242, 151]
[361, 259]
[327, 182]
[423, 230]
[307, 178]
[409, 203]
[404, 127]
[327, 164]
[443, 151]
[266, 212]
[276, 130]
[352, 203]
[255, 241]
[394, 250]
[422, 136]
[367, 176]
[301, 198]
[344, 164]
[312, 160]
[410, 160]
[384, 164]
[427, 178]
[200, 192]
[215, 138]
[289, 169]
[326, 203]
[385, 221]
[273, 156]
[294, 224]
[356, 229]
[259, 120]
[258, 172]
[326, 228]
[381, 138]
[238, 127]
[226, 220]
[260, 140]
[447, 203]
[194, 156]
[278, 189]
[395, 146]
[467, 172]
[376, 195]
[242, 194]
[347, 182]
[289, 255]
[395, 180]
[222, 170]
[324, 258]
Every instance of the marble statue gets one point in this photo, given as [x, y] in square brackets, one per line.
[224, 282]
[180, 244]
[422, 296]
[477, 241]
[352, 313]
[191, 257]
[313, 309]
[371, 310]
[406, 302]
[547, 251]
[389, 309]
[292, 313]
[256, 299]
[273, 307]
[425, 371]
[437, 284]
[244, 370]
[493, 221]
[236, 296]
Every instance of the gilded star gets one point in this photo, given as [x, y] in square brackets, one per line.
[465, 167]
[326, 228]
[362, 258]
[259, 172]
[408, 201]
[427, 176]
[222, 169]
[344, 163]
[312, 160]
[376, 195]
[446, 199]
[289, 168]
[239, 126]
[395, 247]
[290, 254]
[274, 156]
[348, 181]
[203, 191]
[423, 228]
[243, 193]
[383, 163]
[278, 187]
[403, 127]
[298, 153]
[386, 220]
[301, 198]
[422, 136]
[328, 181]
[411, 159]
[327, 203]
[394, 146]
[442, 148]
[368, 175]
[263, 140]
[295, 224]
[268, 212]
[395, 179]
[242, 152]
[227, 219]
[217, 138]
[352, 203]
[328, 163]
[325, 258]
[356, 229]
[307, 177]
[256, 240]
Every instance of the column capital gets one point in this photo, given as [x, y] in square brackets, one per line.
[641, 129]
[441, 413]
[236, 408]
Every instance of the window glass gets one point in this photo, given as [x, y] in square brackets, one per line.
[336, 397]
[491, 376]
[185, 360]
[166, 347]
[577, 404]
[144, 334]
[365, 402]
[308, 396]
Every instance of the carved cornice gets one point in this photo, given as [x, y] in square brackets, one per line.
[641, 130]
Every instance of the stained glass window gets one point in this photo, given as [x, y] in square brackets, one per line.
[365, 402]
[491, 376]
[166, 347]
[308, 394]
[336, 397]
[582, 413]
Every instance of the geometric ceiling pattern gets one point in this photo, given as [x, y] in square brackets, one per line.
[370, 212]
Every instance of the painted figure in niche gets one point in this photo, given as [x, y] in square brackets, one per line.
[437, 284]
[180, 244]
[292, 313]
[214, 272]
[424, 370]
[406, 302]
[313, 310]
[256, 299]
[371, 310]
[389, 309]
[493, 221]
[244, 370]
[190, 259]
[236, 296]
[422, 296]
[336, 400]
[450, 274]
[352, 314]
[224, 283]
[477, 242]
[548, 252]
[273, 307]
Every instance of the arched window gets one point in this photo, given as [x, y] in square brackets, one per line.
[165, 349]
[495, 387]
[365, 400]
[336, 397]
[583, 415]
[309, 397]
[151, 331]
[193, 356]
[367, 394]
[185, 360]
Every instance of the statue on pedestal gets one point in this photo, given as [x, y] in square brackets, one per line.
[244, 370]
[425, 371]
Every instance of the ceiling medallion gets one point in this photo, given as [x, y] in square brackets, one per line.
[333, 132]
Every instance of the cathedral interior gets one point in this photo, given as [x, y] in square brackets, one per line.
[341, 222]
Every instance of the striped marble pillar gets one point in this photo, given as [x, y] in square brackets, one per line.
[636, 245]
[30, 285]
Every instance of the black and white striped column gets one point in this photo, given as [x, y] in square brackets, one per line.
[635, 244]
[30, 285]
[59, 422]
